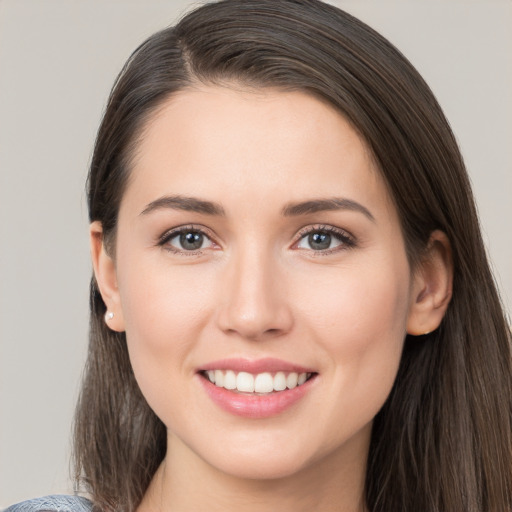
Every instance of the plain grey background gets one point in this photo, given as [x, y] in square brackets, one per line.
[58, 60]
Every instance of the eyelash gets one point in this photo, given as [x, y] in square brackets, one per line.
[346, 239]
[164, 240]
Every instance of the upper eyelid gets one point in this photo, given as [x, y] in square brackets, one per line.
[172, 232]
[301, 233]
[306, 230]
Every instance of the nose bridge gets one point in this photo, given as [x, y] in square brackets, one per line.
[253, 302]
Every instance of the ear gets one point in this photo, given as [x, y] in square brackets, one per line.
[432, 286]
[106, 277]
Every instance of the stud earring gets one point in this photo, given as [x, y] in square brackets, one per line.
[108, 316]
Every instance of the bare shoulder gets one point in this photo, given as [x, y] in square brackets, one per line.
[54, 503]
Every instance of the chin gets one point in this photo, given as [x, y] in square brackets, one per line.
[261, 468]
[259, 461]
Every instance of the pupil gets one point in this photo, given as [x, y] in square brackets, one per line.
[191, 240]
[320, 241]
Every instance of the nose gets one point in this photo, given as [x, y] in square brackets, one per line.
[253, 301]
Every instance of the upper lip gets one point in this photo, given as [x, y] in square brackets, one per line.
[255, 366]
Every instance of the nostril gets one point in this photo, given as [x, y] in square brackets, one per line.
[258, 323]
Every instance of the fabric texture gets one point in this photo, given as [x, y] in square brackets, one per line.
[55, 503]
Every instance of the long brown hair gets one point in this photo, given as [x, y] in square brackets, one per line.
[442, 441]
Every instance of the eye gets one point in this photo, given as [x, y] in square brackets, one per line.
[186, 239]
[324, 239]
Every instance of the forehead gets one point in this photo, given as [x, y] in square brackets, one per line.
[279, 145]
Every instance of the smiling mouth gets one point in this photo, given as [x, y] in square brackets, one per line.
[261, 384]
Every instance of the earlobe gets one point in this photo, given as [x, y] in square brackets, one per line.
[432, 286]
[106, 278]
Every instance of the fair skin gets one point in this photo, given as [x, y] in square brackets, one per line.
[325, 287]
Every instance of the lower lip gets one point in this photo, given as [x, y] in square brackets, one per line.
[255, 406]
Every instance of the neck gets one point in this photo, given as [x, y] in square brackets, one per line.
[186, 483]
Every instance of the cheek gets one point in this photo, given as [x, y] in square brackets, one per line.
[164, 310]
[355, 309]
[162, 305]
[359, 321]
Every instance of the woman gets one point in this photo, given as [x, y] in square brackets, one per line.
[292, 307]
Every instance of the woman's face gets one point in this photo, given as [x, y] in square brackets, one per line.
[258, 246]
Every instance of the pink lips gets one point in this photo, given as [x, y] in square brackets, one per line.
[252, 405]
[261, 365]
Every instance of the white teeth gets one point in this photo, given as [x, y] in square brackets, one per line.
[262, 383]
[291, 380]
[244, 382]
[280, 381]
[219, 378]
[230, 380]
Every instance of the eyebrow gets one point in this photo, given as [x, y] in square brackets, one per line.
[189, 204]
[193, 204]
[321, 205]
